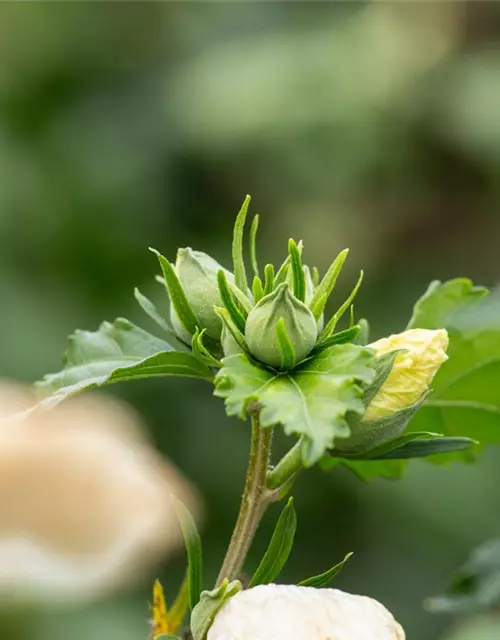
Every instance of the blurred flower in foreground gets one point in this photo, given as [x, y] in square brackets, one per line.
[84, 499]
[287, 612]
[423, 352]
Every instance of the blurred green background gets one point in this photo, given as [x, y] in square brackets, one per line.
[369, 125]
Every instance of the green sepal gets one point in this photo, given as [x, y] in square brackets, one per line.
[348, 335]
[282, 274]
[257, 289]
[194, 552]
[363, 336]
[298, 278]
[229, 303]
[209, 606]
[315, 276]
[319, 306]
[330, 327]
[285, 345]
[383, 367]
[253, 244]
[201, 351]
[178, 298]
[152, 312]
[269, 280]
[226, 318]
[323, 579]
[329, 280]
[240, 277]
[279, 548]
[425, 447]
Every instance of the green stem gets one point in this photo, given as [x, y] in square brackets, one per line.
[286, 468]
[255, 500]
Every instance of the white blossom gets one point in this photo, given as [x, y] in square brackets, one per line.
[281, 612]
[84, 499]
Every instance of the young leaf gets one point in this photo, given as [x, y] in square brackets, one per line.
[323, 579]
[240, 277]
[117, 351]
[311, 401]
[209, 605]
[363, 336]
[465, 399]
[298, 278]
[279, 548]
[257, 289]
[231, 327]
[150, 310]
[201, 352]
[194, 553]
[348, 335]
[282, 274]
[285, 345]
[326, 285]
[253, 245]
[177, 296]
[228, 301]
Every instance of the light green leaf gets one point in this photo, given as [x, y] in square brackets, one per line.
[194, 553]
[240, 276]
[465, 399]
[116, 352]
[311, 400]
[325, 578]
[367, 469]
[279, 548]
[209, 605]
[150, 310]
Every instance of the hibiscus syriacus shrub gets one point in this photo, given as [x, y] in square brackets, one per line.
[279, 361]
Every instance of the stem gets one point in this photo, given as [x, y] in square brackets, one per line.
[286, 468]
[255, 500]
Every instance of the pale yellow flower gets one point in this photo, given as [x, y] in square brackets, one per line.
[412, 372]
[85, 500]
[287, 612]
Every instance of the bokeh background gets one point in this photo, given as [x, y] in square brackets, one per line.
[369, 125]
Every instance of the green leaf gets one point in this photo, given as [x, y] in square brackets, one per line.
[311, 400]
[298, 278]
[325, 578]
[475, 586]
[285, 345]
[150, 310]
[279, 548]
[193, 549]
[367, 469]
[209, 606]
[228, 301]
[465, 399]
[177, 612]
[200, 350]
[330, 327]
[348, 335]
[240, 276]
[116, 352]
[257, 289]
[423, 447]
[253, 245]
[269, 280]
[177, 296]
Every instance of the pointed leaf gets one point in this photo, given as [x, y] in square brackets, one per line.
[285, 345]
[298, 278]
[180, 606]
[240, 276]
[269, 280]
[325, 578]
[329, 280]
[311, 400]
[193, 549]
[228, 301]
[279, 548]
[423, 447]
[150, 310]
[116, 352]
[253, 245]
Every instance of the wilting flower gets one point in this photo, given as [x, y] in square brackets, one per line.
[85, 501]
[412, 371]
[197, 273]
[261, 324]
[279, 612]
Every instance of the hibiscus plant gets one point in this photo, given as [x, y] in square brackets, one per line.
[279, 362]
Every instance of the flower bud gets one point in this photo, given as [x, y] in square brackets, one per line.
[260, 329]
[197, 273]
[287, 612]
[412, 371]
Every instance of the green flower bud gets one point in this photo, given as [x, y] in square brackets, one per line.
[299, 322]
[197, 273]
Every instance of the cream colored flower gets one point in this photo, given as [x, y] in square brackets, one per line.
[85, 500]
[412, 372]
[284, 612]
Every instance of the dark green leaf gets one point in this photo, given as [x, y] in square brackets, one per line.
[325, 578]
[194, 552]
[311, 401]
[177, 296]
[423, 447]
[465, 399]
[279, 548]
[209, 605]
[118, 351]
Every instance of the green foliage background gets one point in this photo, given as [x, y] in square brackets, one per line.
[373, 126]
